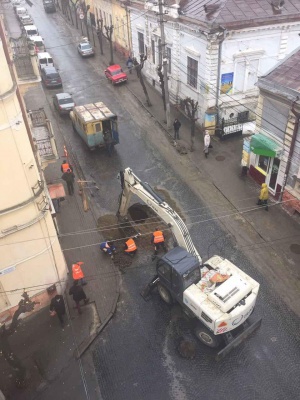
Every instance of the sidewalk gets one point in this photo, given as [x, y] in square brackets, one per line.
[271, 238]
[49, 353]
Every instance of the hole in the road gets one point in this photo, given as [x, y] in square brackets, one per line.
[295, 248]
[187, 348]
[220, 158]
[138, 213]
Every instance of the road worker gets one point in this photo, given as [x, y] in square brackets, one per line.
[130, 247]
[77, 273]
[158, 240]
[65, 166]
[109, 248]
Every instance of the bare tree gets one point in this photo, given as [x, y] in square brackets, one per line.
[191, 107]
[162, 84]
[100, 33]
[138, 67]
[108, 35]
[25, 305]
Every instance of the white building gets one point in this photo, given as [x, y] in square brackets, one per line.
[31, 256]
[216, 49]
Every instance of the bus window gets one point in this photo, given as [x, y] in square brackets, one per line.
[97, 127]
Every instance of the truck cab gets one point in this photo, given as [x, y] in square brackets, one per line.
[177, 270]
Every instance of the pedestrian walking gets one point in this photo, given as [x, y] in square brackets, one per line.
[108, 141]
[206, 143]
[263, 196]
[158, 240]
[129, 64]
[109, 248]
[57, 306]
[77, 273]
[176, 125]
[78, 295]
[65, 166]
[69, 178]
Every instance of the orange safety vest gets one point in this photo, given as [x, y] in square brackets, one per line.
[158, 237]
[65, 167]
[77, 272]
[131, 246]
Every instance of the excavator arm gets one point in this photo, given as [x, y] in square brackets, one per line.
[131, 184]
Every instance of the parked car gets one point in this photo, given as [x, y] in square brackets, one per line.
[115, 74]
[38, 43]
[63, 102]
[45, 60]
[51, 77]
[26, 20]
[31, 30]
[85, 49]
[20, 11]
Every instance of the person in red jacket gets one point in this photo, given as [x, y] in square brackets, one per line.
[158, 240]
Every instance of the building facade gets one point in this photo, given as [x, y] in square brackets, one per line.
[31, 256]
[275, 149]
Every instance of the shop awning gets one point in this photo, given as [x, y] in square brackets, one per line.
[264, 146]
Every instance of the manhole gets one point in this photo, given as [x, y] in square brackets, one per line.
[138, 213]
[295, 248]
[187, 349]
[220, 158]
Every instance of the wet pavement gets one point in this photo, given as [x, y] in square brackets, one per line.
[136, 356]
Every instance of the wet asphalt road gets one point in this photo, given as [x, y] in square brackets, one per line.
[136, 356]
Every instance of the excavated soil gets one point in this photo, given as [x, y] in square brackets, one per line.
[140, 219]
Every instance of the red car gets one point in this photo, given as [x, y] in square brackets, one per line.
[115, 74]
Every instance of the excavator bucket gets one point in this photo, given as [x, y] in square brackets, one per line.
[238, 339]
[146, 292]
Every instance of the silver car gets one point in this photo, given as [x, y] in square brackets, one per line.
[85, 49]
[26, 20]
[63, 102]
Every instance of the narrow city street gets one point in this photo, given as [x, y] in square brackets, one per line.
[136, 356]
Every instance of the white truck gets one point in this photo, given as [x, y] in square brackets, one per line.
[217, 294]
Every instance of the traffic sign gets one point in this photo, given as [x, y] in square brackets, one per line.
[81, 16]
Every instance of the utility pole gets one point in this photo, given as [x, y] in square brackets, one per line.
[164, 61]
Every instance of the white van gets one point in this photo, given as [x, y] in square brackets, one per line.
[38, 43]
[31, 30]
[45, 60]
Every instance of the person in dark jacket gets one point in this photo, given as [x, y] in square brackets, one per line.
[69, 178]
[108, 141]
[176, 126]
[78, 295]
[129, 64]
[57, 306]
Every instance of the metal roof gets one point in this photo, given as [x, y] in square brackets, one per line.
[93, 112]
[225, 12]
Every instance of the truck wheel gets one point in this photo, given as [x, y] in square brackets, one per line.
[206, 336]
[164, 294]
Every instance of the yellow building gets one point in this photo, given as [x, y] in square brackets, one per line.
[116, 13]
[31, 256]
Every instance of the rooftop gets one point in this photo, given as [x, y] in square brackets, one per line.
[285, 77]
[239, 12]
[93, 112]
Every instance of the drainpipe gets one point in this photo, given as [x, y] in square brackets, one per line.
[221, 36]
[292, 147]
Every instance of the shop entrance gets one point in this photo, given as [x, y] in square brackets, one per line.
[273, 173]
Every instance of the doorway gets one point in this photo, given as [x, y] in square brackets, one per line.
[272, 177]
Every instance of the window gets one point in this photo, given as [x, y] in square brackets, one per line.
[97, 127]
[263, 163]
[153, 50]
[169, 57]
[245, 75]
[243, 116]
[192, 72]
[159, 52]
[165, 271]
[141, 43]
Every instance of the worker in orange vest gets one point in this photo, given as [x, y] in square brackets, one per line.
[130, 247]
[158, 240]
[65, 166]
[77, 273]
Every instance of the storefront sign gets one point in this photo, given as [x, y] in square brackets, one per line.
[227, 130]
